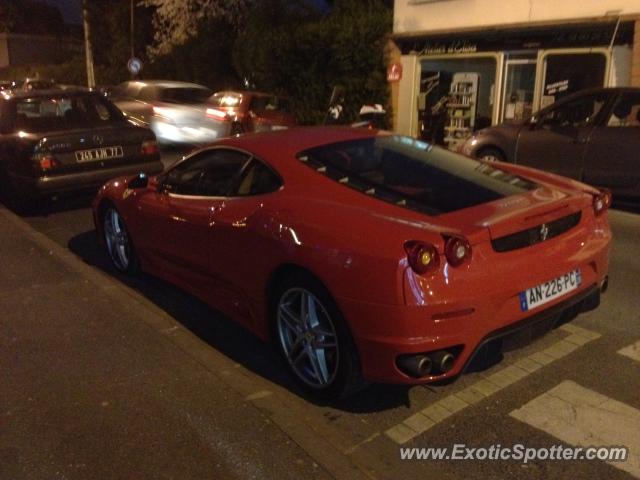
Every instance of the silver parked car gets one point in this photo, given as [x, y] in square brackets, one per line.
[592, 136]
[177, 112]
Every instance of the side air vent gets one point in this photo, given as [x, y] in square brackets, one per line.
[537, 234]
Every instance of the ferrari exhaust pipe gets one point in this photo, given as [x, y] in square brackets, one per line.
[415, 365]
[443, 360]
[604, 285]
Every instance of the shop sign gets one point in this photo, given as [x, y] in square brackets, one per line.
[557, 87]
[394, 72]
[448, 49]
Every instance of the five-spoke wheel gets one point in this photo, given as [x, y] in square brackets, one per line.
[308, 337]
[314, 338]
[117, 240]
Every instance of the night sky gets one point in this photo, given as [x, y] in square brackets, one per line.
[72, 9]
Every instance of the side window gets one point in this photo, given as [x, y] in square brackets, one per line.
[257, 179]
[211, 173]
[184, 178]
[574, 114]
[222, 171]
[147, 94]
[626, 111]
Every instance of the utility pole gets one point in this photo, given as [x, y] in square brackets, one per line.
[91, 79]
[132, 50]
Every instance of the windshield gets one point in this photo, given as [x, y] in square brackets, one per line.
[414, 174]
[46, 114]
[185, 95]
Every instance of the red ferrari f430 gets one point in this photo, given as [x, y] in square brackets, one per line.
[364, 255]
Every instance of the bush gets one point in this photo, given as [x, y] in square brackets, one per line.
[291, 49]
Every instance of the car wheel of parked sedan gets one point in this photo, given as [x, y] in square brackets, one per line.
[491, 155]
[314, 339]
[118, 242]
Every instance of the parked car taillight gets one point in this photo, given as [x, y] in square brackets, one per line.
[45, 161]
[149, 147]
[215, 113]
[457, 250]
[423, 257]
[601, 202]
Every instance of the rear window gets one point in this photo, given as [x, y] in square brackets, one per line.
[413, 174]
[45, 114]
[185, 95]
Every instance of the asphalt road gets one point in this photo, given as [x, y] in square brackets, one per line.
[371, 427]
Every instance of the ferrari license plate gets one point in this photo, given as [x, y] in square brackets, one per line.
[548, 291]
[101, 153]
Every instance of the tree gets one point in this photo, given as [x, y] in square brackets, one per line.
[176, 21]
[304, 53]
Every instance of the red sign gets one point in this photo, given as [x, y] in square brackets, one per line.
[394, 72]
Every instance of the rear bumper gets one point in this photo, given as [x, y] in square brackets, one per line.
[47, 185]
[379, 355]
[465, 319]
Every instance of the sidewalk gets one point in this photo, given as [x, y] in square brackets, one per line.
[91, 387]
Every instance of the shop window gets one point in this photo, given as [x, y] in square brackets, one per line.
[456, 98]
[568, 73]
[519, 87]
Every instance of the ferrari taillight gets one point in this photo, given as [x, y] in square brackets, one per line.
[422, 257]
[601, 202]
[457, 250]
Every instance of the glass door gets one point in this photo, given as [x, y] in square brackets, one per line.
[518, 91]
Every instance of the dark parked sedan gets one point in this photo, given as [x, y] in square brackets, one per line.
[56, 141]
[592, 136]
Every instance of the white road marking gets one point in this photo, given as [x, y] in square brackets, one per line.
[584, 418]
[491, 383]
[631, 351]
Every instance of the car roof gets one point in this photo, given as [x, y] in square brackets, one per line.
[252, 93]
[49, 92]
[166, 84]
[593, 90]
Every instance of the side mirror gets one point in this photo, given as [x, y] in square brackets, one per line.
[139, 181]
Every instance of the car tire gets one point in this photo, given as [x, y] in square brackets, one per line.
[317, 347]
[491, 155]
[117, 241]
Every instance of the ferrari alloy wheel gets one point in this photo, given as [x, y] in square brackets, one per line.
[117, 241]
[308, 337]
[314, 338]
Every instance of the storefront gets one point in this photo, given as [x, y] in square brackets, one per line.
[456, 83]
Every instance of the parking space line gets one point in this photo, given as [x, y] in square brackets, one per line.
[491, 383]
[632, 351]
[585, 418]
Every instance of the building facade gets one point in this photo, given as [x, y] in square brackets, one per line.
[468, 64]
